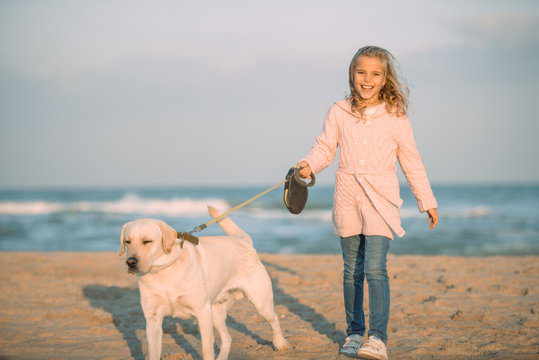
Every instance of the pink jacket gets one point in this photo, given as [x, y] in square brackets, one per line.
[367, 198]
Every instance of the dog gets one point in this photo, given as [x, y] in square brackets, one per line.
[180, 279]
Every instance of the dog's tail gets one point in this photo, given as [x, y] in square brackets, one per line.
[229, 227]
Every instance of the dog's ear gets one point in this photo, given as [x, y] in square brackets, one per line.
[122, 248]
[169, 236]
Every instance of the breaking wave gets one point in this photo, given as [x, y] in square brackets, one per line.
[129, 204]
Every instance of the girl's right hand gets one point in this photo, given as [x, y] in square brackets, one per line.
[306, 171]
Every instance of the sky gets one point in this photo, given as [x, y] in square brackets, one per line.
[173, 93]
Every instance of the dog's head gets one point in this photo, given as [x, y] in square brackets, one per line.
[144, 241]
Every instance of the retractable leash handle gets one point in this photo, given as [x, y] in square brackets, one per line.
[295, 190]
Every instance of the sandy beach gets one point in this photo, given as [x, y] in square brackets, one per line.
[86, 306]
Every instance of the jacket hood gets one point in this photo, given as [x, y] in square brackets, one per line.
[346, 105]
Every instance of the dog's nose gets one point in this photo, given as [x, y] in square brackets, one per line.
[132, 262]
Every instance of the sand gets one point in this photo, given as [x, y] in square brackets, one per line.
[85, 306]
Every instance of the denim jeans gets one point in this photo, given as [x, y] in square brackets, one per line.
[366, 256]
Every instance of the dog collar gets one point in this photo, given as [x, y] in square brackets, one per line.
[187, 236]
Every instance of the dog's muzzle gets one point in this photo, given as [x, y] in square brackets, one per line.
[132, 263]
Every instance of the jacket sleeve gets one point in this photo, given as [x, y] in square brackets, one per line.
[325, 146]
[412, 166]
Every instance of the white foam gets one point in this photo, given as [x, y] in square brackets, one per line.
[460, 213]
[321, 215]
[132, 204]
[129, 204]
[29, 208]
[467, 213]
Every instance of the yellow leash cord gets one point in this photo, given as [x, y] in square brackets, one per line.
[222, 216]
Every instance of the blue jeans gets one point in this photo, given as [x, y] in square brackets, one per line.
[366, 256]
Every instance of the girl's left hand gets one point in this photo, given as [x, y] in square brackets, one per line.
[433, 217]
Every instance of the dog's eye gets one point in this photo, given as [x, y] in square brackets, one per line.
[127, 242]
[146, 242]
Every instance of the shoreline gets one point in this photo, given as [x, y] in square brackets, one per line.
[84, 305]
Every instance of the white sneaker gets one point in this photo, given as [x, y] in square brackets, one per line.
[351, 345]
[374, 348]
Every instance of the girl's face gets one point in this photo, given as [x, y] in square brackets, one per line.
[369, 78]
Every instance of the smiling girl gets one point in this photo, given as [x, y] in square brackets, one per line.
[372, 132]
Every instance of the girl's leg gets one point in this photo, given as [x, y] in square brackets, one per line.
[376, 248]
[353, 249]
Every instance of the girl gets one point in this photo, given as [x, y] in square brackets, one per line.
[372, 131]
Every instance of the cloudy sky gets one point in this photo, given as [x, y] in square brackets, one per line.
[122, 93]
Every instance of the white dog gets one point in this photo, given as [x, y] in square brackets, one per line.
[184, 280]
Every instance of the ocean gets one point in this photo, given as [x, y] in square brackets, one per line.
[475, 220]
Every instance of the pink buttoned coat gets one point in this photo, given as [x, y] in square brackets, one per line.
[367, 198]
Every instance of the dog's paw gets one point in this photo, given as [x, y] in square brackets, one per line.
[282, 345]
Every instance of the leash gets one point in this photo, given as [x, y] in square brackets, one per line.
[193, 239]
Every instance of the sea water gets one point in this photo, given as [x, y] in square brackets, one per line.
[474, 220]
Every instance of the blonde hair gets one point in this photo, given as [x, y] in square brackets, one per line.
[394, 93]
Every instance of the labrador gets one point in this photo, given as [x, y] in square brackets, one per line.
[180, 279]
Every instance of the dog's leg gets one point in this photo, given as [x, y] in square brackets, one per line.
[219, 312]
[154, 334]
[204, 319]
[267, 312]
[261, 296]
